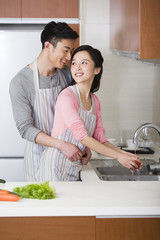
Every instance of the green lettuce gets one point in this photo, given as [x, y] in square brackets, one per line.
[39, 191]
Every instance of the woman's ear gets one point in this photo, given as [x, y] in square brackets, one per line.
[97, 70]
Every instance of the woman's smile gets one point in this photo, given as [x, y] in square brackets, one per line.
[79, 74]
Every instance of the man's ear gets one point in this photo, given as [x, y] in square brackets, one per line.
[47, 44]
[97, 70]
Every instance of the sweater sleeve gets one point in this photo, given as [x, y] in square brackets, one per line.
[99, 132]
[66, 115]
[21, 107]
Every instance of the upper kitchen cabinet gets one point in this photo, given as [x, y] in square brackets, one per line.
[50, 8]
[10, 8]
[39, 9]
[135, 27]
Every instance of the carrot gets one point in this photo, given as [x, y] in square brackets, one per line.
[9, 197]
[4, 191]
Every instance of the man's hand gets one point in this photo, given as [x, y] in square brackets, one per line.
[86, 156]
[71, 151]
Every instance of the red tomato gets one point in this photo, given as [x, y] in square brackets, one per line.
[138, 163]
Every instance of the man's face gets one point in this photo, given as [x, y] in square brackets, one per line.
[59, 55]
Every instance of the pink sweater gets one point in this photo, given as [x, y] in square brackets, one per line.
[66, 116]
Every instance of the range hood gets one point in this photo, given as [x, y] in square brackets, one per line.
[135, 55]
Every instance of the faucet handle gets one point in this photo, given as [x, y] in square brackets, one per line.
[153, 168]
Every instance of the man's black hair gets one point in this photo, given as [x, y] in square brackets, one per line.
[54, 32]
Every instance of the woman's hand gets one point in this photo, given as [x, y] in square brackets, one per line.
[129, 160]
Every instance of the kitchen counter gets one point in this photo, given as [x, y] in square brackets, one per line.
[91, 197]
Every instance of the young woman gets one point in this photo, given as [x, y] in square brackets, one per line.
[78, 120]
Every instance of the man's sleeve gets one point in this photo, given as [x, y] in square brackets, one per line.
[22, 111]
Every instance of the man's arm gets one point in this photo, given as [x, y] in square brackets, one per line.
[22, 112]
[67, 149]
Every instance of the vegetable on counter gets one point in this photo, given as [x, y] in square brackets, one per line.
[2, 191]
[39, 191]
[2, 181]
[6, 195]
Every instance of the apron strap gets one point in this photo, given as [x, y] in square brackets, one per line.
[35, 75]
[76, 90]
[94, 108]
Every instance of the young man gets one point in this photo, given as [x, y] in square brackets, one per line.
[34, 91]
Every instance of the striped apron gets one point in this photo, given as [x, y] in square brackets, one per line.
[54, 165]
[43, 116]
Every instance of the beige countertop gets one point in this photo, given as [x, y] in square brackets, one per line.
[91, 197]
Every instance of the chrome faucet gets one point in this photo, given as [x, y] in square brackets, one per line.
[154, 168]
[146, 125]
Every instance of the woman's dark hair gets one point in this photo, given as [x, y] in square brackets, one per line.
[97, 58]
[53, 32]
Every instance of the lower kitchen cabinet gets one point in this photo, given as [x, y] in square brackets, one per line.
[127, 228]
[79, 228]
[47, 228]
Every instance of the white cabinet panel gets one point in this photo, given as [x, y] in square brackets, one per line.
[11, 169]
[19, 46]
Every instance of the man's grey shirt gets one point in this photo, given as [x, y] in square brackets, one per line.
[22, 93]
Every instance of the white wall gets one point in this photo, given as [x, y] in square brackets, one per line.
[130, 90]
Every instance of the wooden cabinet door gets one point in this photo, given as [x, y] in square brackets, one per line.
[124, 25]
[135, 27]
[150, 29]
[75, 27]
[50, 8]
[49, 228]
[128, 229]
[10, 8]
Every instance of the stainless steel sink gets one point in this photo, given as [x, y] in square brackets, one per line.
[111, 170]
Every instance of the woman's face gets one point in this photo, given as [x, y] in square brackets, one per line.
[82, 67]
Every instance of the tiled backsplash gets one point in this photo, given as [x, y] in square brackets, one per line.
[129, 91]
